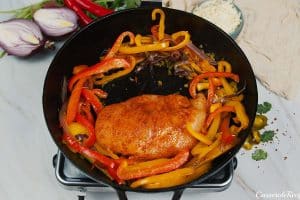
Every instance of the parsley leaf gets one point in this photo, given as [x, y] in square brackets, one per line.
[259, 154]
[264, 108]
[267, 136]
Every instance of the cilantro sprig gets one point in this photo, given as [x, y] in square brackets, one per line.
[264, 107]
[267, 136]
[259, 154]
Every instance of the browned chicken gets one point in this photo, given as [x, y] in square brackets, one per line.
[150, 126]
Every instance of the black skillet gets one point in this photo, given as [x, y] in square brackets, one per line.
[86, 46]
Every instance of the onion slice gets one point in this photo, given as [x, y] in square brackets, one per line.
[56, 22]
[20, 37]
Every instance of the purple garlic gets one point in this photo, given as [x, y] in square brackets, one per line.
[56, 22]
[20, 37]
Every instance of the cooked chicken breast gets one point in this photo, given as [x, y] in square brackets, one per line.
[150, 126]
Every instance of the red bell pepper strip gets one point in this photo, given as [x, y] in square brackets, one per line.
[116, 46]
[92, 99]
[128, 172]
[90, 141]
[101, 67]
[113, 174]
[227, 136]
[84, 19]
[154, 31]
[197, 79]
[93, 7]
[210, 92]
[74, 99]
[76, 147]
[85, 109]
[213, 115]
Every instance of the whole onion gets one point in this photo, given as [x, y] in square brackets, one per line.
[56, 22]
[20, 37]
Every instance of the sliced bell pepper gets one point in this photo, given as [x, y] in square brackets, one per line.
[197, 79]
[227, 136]
[201, 149]
[101, 67]
[85, 110]
[100, 93]
[154, 31]
[118, 43]
[202, 138]
[144, 48]
[92, 155]
[74, 99]
[79, 68]
[213, 115]
[161, 29]
[90, 141]
[168, 179]
[240, 113]
[149, 168]
[91, 98]
[210, 92]
[181, 44]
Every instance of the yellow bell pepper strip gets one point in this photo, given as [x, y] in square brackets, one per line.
[202, 86]
[164, 180]
[202, 138]
[214, 127]
[240, 113]
[101, 67]
[140, 40]
[118, 74]
[219, 150]
[161, 29]
[213, 115]
[144, 48]
[227, 136]
[224, 66]
[118, 43]
[91, 98]
[201, 149]
[76, 129]
[206, 66]
[90, 141]
[140, 170]
[197, 79]
[106, 152]
[181, 44]
[74, 99]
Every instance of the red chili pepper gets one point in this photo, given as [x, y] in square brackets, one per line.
[133, 172]
[212, 115]
[74, 101]
[92, 99]
[73, 6]
[227, 136]
[90, 141]
[195, 81]
[76, 147]
[101, 67]
[93, 7]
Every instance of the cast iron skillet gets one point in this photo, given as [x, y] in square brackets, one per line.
[86, 46]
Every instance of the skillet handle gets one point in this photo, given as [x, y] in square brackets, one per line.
[177, 194]
[121, 194]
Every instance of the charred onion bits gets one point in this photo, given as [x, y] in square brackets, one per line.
[204, 126]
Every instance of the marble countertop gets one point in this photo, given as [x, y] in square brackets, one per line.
[26, 169]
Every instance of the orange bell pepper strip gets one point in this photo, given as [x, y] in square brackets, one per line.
[227, 136]
[181, 44]
[213, 115]
[90, 97]
[118, 43]
[101, 67]
[197, 79]
[150, 168]
[210, 92]
[74, 99]
[161, 29]
[90, 141]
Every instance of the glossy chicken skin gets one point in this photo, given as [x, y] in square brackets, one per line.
[150, 126]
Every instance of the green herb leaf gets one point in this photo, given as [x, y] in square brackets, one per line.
[259, 154]
[2, 54]
[264, 108]
[132, 3]
[267, 136]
